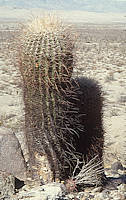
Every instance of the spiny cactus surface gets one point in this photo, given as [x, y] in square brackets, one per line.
[45, 63]
[87, 122]
[63, 117]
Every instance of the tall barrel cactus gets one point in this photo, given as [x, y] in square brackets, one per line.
[63, 116]
[45, 62]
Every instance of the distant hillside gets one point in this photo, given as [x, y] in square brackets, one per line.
[85, 5]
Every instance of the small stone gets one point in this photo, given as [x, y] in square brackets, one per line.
[102, 196]
[115, 174]
[71, 196]
[80, 195]
[91, 196]
[105, 193]
[54, 190]
[116, 166]
[113, 183]
[122, 187]
[98, 189]
[88, 189]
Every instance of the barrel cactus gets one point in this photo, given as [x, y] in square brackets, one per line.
[45, 60]
[63, 116]
[85, 117]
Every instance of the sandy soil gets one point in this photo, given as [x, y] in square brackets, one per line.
[101, 54]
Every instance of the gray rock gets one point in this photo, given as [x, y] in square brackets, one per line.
[11, 159]
[97, 189]
[122, 188]
[50, 191]
[54, 191]
[116, 166]
[80, 195]
[7, 185]
[23, 142]
[102, 196]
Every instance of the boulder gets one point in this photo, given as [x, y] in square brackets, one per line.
[11, 157]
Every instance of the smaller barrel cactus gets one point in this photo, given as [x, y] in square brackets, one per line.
[84, 118]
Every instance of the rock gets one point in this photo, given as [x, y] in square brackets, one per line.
[122, 188]
[7, 185]
[80, 195]
[50, 191]
[116, 166]
[54, 191]
[102, 196]
[11, 158]
[18, 184]
[23, 142]
[113, 183]
[97, 189]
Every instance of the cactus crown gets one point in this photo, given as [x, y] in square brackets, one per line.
[47, 46]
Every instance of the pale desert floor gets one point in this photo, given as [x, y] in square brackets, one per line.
[101, 54]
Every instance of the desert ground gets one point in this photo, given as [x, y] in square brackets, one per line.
[100, 54]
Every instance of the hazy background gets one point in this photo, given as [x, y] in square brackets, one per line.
[87, 11]
[85, 5]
